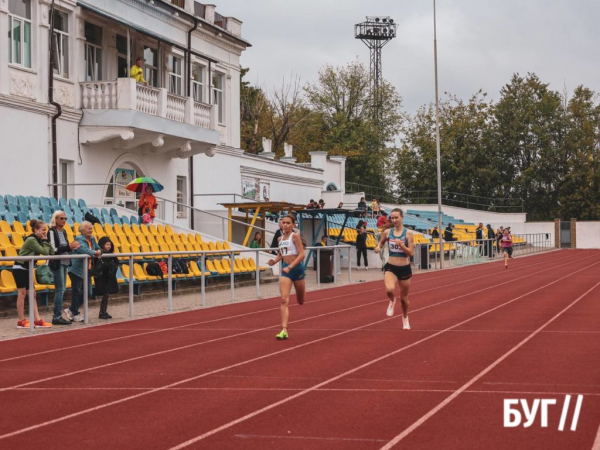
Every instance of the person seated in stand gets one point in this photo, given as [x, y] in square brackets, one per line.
[448, 237]
[340, 205]
[256, 242]
[435, 233]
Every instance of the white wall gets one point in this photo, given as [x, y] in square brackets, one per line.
[588, 235]
[223, 173]
[473, 215]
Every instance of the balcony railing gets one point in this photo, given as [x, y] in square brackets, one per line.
[125, 93]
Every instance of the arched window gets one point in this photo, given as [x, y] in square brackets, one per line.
[331, 187]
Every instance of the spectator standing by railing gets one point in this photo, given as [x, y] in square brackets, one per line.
[148, 203]
[361, 247]
[490, 244]
[87, 246]
[105, 276]
[479, 236]
[382, 220]
[499, 238]
[137, 71]
[362, 207]
[36, 244]
[375, 207]
[59, 241]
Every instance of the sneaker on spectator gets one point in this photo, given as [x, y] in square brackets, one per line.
[78, 318]
[41, 324]
[23, 323]
[366, 267]
[60, 321]
[69, 314]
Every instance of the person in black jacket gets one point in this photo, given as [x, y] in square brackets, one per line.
[479, 236]
[105, 276]
[361, 247]
[490, 244]
[61, 245]
[275, 241]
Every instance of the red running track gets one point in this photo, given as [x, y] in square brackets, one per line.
[348, 378]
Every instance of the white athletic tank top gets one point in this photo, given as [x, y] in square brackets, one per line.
[287, 246]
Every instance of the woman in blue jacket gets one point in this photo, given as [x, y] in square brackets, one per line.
[87, 246]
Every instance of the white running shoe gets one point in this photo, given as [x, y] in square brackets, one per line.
[78, 318]
[405, 324]
[366, 268]
[69, 314]
[390, 310]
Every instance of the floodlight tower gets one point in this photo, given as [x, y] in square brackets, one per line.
[375, 33]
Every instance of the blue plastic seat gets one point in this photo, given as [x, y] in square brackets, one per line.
[67, 210]
[116, 219]
[95, 212]
[13, 208]
[76, 210]
[46, 209]
[78, 218]
[125, 220]
[72, 203]
[113, 212]
[1, 200]
[22, 217]
[82, 204]
[10, 199]
[134, 219]
[54, 203]
[23, 201]
[34, 208]
[34, 200]
[2, 208]
[34, 216]
[44, 201]
[107, 219]
[104, 212]
[63, 202]
[10, 218]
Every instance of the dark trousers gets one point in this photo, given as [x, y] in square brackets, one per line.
[363, 252]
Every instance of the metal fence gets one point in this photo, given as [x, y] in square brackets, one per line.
[202, 256]
[474, 251]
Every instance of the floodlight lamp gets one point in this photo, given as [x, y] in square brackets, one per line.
[391, 20]
[376, 19]
[384, 20]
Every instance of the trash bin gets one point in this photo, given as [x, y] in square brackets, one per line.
[326, 266]
[424, 263]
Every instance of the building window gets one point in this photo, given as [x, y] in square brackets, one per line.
[181, 196]
[66, 174]
[122, 63]
[217, 88]
[198, 82]
[19, 32]
[93, 52]
[60, 41]
[174, 75]
[151, 66]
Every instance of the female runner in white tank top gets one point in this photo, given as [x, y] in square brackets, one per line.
[291, 251]
[402, 246]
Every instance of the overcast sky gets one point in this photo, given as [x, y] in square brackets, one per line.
[481, 43]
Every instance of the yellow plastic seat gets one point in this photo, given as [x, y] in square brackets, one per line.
[211, 267]
[160, 239]
[168, 239]
[143, 239]
[173, 248]
[199, 239]
[160, 229]
[133, 239]
[126, 229]
[155, 248]
[108, 229]
[138, 272]
[135, 228]
[125, 248]
[136, 249]
[152, 229]
[238, 263]
[75, 228]
[10, 251]
[205, 248]
[98, 230]
[219, 245]
[226, 246]
[17, 241]
[227, 266]
[212, 247]
[151, 240]
[169, 229]
[219, 267]
[144, 229]
[176, 239]
[165, 248]
[146, 249]
[5, 228]
[19, 229]
[7, 282]
[5, 242]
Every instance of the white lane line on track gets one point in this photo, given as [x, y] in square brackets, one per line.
[106, 327]
[132, 397]
[286, 400]
[283, 389]
[271, 327]
[473, 380]
[307, 438]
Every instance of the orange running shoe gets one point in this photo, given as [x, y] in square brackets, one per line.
[41, 324]
[23, 323]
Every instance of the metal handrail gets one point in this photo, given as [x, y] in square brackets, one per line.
[131, 280]
[175, 203]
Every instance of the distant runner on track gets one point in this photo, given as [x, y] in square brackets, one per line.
[507, 246]
[291, 251]
[401, 245]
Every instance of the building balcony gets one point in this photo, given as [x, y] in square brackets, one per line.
[134, 115]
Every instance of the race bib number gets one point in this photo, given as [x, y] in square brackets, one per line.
[394, 246]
